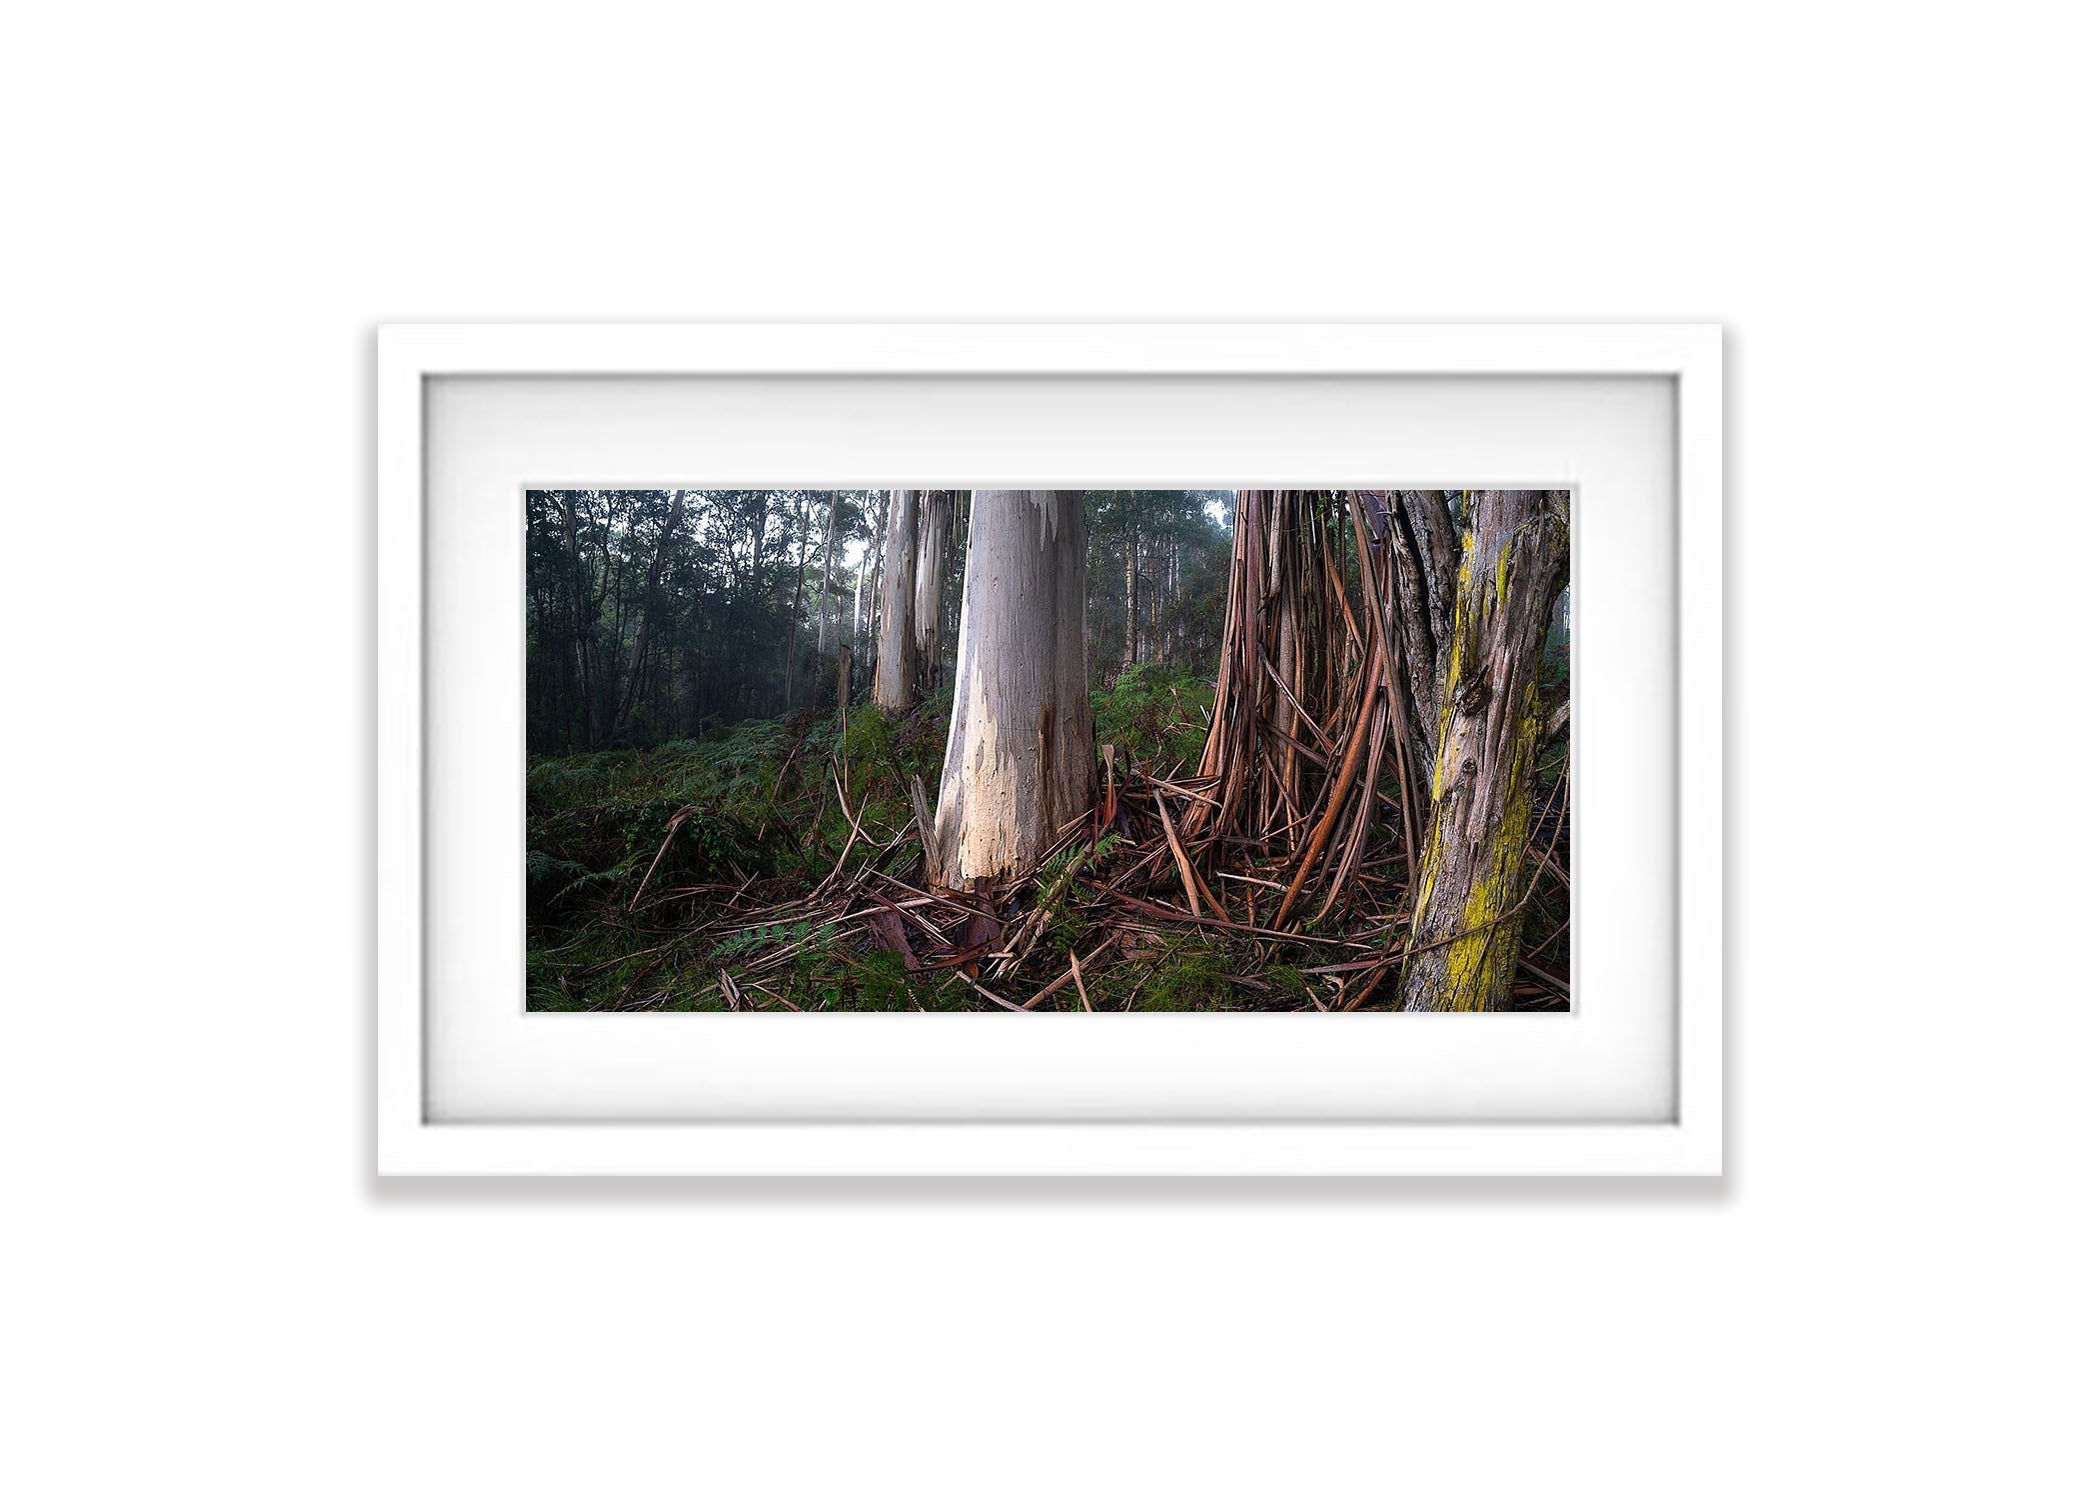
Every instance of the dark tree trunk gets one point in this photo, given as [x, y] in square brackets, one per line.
[631, 679]
[1436, 547]
[582, 622]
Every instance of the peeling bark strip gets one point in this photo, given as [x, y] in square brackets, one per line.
[1276, 670]
[1512, 566]
[1020, 760]
[1424, 569]
[1436, 549]
[897, 650]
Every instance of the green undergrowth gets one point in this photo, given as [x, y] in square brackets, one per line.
[756, 810]
[756, 807]
[1154, 717]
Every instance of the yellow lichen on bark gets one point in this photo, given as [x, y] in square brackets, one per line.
[1467, 930]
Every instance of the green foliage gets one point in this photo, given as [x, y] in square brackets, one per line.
[868, 741]
[734, 815]
[1190, 975]
[1053, 881]
[754, 809]
[549, 882]
[651, 614]
[1155, 715]
[755, 939]
[595, 822]
[1053, 892]
[880, 983]
[884, 753]
[1287, 986]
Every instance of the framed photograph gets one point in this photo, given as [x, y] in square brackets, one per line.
[1050, 749]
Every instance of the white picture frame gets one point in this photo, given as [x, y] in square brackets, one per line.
[1684, 1139]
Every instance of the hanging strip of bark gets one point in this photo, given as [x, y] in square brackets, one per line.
[1345, 782]
[1413, 610]
[1436, 550]
[1275, 669]
[1326, 631]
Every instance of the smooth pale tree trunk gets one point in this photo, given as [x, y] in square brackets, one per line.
[1130, 602]
[860, 579]
[874, 563]
[761, 520]
[897, 644]
[1169, 630]
[831, 526]
[794, 627]
[935, 512]
[1468, 925]
[1020, 760]
[1162, 599]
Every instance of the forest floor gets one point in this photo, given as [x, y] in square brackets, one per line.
[775, 864]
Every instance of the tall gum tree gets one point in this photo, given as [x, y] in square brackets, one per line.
[936, 515]
[1467, 928]
[831, 527]
[1020, 763]
[897, 644]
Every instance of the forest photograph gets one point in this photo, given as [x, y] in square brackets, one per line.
[1054, 750]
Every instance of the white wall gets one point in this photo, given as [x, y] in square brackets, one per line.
[210, 207]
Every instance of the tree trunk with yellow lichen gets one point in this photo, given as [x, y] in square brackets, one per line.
[1468, 922]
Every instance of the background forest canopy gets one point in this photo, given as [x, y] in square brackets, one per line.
[655, 615]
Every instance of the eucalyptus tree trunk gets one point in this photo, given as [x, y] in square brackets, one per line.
[1130, 602]
[897, 645]
[1020, 763]
[1170, 626]
[936, 511]
[860, 580]
[794, 627]
[1468, 922]
[1425, 571]
[872, 561]
[1268, 644]
[637, 656]
[581, 624]
[831, 527]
